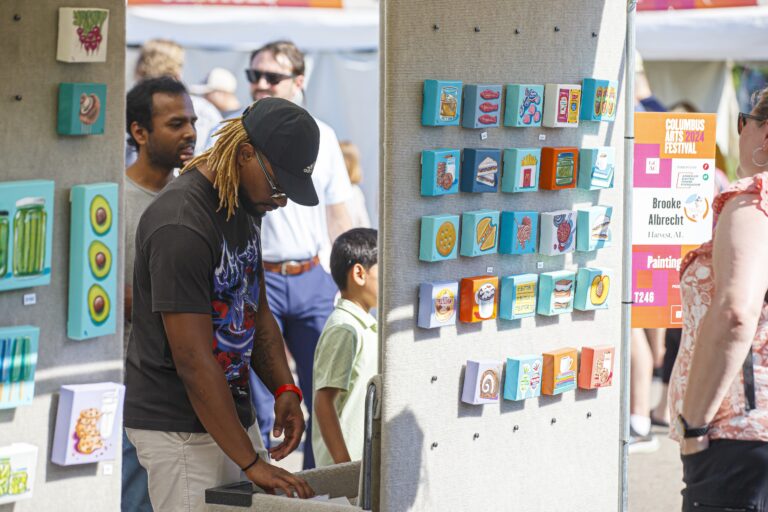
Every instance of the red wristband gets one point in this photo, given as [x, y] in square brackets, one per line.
[289, 387]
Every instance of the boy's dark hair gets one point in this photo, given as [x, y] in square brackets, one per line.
[138, 106]
[354, 246]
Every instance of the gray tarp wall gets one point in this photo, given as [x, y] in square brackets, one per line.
[31, 149]
[479, 462]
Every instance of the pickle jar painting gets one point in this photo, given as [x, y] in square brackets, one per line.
[18, 463]
[26, 225]
[82, 34]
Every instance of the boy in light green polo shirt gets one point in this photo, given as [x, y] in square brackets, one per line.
[347, 354]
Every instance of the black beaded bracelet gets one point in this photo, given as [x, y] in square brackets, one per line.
[249, 466]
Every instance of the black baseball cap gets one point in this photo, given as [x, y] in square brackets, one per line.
[289, 137]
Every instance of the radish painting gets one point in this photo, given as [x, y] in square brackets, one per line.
[82, 34]
[89, 25]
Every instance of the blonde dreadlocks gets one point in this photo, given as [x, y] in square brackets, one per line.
[222, 161]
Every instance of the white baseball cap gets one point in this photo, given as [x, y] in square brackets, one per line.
[218, 79]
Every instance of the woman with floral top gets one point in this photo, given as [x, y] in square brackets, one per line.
[718, 393]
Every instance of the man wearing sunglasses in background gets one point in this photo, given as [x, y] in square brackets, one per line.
[297, 238]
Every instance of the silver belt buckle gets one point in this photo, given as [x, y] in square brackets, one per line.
[284, 264]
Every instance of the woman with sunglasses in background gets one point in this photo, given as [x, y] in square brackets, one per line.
[718, 391]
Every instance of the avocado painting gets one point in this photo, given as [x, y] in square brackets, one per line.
[92, 261]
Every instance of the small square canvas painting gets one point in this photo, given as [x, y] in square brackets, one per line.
[519, 232]
[593, 286]
[596, 168]
[439, 237]
[593, 228]
[482, 382]
[442, 103]
[18, 361]
[524, 106]
[523, 379]
[521, 170]
[596, 367]
[438, 304]
[89, 422]
[82, 108]
[558, 232]
[556, 292]
[18, 464]
[83, 34]
[440, 171]
[559, 373]
[482, 106]
[598, 99]
[480, 170]
[518, 296]
[561, 110]
[479, 232]
[479, 298]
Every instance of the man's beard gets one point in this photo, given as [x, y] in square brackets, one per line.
[164, 160]
[249, 206]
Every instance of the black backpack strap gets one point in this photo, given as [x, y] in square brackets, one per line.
[749, 380]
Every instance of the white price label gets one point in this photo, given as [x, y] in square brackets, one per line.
[489, 270]
[483, 135]
[30, 299]
[542, 136]
[539, 264]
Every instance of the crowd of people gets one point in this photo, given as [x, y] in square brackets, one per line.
[248, 243]
[233, 267]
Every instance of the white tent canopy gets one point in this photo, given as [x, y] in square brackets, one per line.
[736, 34]
[239, 27]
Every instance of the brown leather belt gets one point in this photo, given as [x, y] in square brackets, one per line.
[291, 267]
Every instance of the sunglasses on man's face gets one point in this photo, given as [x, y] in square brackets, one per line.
[254, 76]
[742, 120]
[277, 194]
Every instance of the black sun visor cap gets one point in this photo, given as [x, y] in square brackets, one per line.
[288, 136]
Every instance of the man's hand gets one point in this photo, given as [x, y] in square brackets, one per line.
[270, 477]
[288, 419]
[693, 445]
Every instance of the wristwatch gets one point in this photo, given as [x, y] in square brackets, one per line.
[686, 432]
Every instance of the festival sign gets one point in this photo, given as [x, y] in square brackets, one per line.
[674, 185]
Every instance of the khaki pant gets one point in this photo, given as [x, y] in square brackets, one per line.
[181, 466]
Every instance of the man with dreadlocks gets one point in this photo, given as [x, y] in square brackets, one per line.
[200, 313]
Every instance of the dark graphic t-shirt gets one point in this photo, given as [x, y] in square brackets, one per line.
[190, 259]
